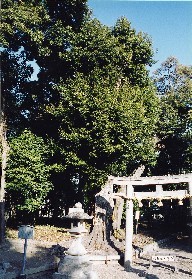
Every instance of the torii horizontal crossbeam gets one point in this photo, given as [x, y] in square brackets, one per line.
[152, 180]
[178, 194]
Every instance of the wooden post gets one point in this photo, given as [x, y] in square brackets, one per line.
[129, 228]
[159, 189]
[137, 215]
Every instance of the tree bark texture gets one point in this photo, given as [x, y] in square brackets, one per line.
[4, 154]
[118, 210]
[2, 221]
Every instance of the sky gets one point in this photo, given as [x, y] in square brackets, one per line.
[168, 23]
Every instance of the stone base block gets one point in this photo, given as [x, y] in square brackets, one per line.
[81, 275]
[57, 275]
[75, 267]
[22, 276]
[72, 263]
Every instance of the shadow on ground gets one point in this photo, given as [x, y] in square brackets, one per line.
[39, 257]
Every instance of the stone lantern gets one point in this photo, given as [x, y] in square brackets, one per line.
[76, 264]
[78, 218]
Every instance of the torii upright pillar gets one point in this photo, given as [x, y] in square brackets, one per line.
[129, 228]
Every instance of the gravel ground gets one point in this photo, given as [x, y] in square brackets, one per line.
[140, 269]
[39, 253]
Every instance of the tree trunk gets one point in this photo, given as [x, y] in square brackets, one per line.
[118, 210]
[2, 221]
[100, 235]
[4, 153]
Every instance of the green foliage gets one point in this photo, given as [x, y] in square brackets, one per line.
[104, 129]
[64, 40]
[22, 24]
[27, 173]
[36, 31]
[134, 52]
[174, 84]
[96, 46]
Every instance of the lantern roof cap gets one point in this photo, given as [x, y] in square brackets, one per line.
[79, 216]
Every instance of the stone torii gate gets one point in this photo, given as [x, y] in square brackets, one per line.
[158, 194]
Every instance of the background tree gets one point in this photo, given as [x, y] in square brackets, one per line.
[174, 84]
[15, 76]
[27, 181]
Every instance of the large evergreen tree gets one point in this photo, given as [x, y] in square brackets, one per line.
[93, 99]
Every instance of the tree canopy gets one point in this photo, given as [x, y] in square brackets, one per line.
[93, 100]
